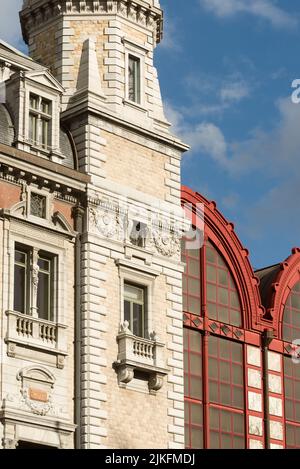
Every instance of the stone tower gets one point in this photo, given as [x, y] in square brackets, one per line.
[129, 380]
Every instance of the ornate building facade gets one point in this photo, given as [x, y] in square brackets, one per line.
[91, 331]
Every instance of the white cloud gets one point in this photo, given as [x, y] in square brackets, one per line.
[234, 92]
[10, 30]
[265, 9]
[274, 153]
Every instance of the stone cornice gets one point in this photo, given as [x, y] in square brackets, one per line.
[144, 12]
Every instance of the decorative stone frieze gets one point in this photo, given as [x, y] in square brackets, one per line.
[138, 353]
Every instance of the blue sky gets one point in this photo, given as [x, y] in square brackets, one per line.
[226, 68]
[232, 63]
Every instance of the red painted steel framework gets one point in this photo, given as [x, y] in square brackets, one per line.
[225, 321]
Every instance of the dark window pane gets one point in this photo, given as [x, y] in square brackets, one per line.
[20, 257]
[127, 311]
[43, 296]
[137, 320]
[20, 289]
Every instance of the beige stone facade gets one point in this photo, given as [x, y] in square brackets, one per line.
[126, 389]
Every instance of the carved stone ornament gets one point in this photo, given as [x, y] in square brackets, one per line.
[36, 389]
[156, 382]
[125, 374]
[105, 222]
[166, 243]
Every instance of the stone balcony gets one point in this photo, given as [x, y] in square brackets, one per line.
[37, 339]
[140, 354]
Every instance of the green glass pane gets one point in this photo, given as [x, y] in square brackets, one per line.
[295, 301]
[238, 442]
[197, 438]
[225, 394]
[196, 414]
[211, 293]
[223, 296]
[238, 397]
[237, 352]
[224, 371]
[214, 415]
[195, 341]
[212, 367]
[235, 318]
[213, 392]
[196, 388]
[211, 273]
[237, 374]
[223, 277]
[225, 349]
[194, 306]
[214, 440]
[226, 442]
[210, 255]
[234, 300]
[223, 314]
[212, 310]
[194, 287]
[194, 268]
[195, 364]
[238, 423]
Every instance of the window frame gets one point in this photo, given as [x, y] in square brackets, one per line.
[142, 303]
[139, 52]
[203, 327]
[52, 285]
[142, 276]
[41, 117]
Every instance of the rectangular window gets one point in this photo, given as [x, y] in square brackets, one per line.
[134, 79]
[135, 309]
[21, 281]
[45, 289]
[193, 409]
[40, 121]
[24, 299]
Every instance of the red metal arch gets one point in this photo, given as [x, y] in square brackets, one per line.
[222, 234]
[280, 289]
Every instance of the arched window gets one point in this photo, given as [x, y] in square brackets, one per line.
[291, 332]
[206, 271]
[291, 316]
[214, 376]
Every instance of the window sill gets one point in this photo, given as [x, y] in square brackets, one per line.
[134, 105]
[26, 332]
[139, 354]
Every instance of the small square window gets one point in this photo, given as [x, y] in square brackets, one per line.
[38, 205]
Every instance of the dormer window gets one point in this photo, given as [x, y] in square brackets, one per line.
[134, 79]
[40, 120]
